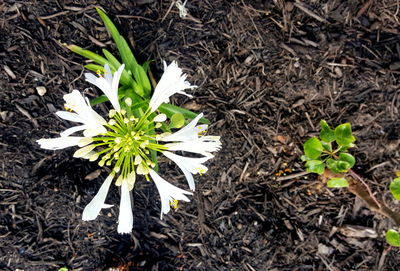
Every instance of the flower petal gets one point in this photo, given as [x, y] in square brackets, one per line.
[189, 166]
[196, 146]
[92, 210]
[168, 192]
[69, 116]
[172, 81]
[59, 142]
[189, 132]
[125, 218]
[72, 130]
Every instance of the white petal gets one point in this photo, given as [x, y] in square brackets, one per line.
[167, 192]
[189, 132]
[189, 166]
[108, 74]
[160, 118]
[69, 116]
[92, 210]
[91, 78]
[114, 87]
[59, 142]
[94, 130]
[172, 81]
[72, 130]
[108, 84]
[196, 146]
[82, 152]
[84, 112]
[125, 218]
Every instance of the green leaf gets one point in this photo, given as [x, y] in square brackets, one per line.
[337, 166]
[111, 59]
[143, 80]
[123, 47]
[94, 67]
[337, 183]
[169, 110]
[347, 157]
[326, 134]
[99, 100]
[343, 134]
[326, 146]
[395, 188]
[304, 158]
[88, 54]
[313, 148]
[146, 65]
[315, 166]
[393, 238]
[177, 121]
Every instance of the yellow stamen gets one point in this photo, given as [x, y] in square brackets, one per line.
[174, 203]
[67, 108]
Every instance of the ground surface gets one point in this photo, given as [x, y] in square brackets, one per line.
[267, 72]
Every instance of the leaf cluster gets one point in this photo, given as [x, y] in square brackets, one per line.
[392, 236]
[134, 82]
[330, 151]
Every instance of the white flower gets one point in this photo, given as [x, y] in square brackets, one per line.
[204, 145]
[108, 84]
[168, 192]
[172, 81]
[189, 132]
[92, 122]
[189, 166]
[125, 217]
[61, 142]
[92, 210]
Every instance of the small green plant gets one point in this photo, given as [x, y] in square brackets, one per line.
[329, 157]
[330, 151]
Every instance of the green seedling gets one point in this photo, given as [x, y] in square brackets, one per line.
[328, 156]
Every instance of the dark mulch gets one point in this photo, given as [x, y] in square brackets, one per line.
[267, 72]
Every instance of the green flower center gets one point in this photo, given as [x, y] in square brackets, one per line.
[128, 143]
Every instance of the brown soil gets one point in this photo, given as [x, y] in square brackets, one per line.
[267, 72]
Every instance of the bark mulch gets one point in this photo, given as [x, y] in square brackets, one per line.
[267, 72]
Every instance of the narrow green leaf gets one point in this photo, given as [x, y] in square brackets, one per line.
[347, 157]
[94, 67]
[169, 110]
[315, 166]
[88, 54]
[138, 89]
[337, 183]
[99, 100]
[122, 45]
[343, 134]
[326, 134]
[177, 121]
[146, 65]
[395, 188]
[313, 148]
[111, 59]
[393, 238]
[143, 80]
